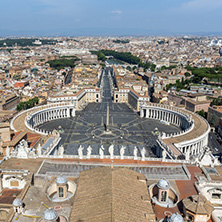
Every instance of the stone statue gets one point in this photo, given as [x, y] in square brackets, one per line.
[111, 150]
[55, 152]
[7, 151]
[122, 151]
[143, 153]
[163, 155]
[80, 153]
[22, 152]
[101, 152]
[32, 154]
[89, 151]
[163, 135]
[39, 150]
[135, 153]
[25, 143]
[61, 151]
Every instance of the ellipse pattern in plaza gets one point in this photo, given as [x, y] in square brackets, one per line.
[95, 124]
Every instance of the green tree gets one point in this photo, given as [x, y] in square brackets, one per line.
[187, 74]
[62, 63]
[28, 104]
[202, 113]
[153, 67]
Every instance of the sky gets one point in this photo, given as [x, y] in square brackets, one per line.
[113, 18]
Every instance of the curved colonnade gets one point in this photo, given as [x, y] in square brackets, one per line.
[59, 111]
[40, 114]
[166, 113]
[190, 141]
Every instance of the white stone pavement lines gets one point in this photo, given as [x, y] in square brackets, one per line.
[134, 141]
[81, 119]
[69, 133]
[82, 140]
[140, 122]
[125, 124]
[119, 107]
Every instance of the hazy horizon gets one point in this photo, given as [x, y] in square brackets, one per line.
[114, 18]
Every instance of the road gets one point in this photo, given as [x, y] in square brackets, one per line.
[213, 143]
[106, 90]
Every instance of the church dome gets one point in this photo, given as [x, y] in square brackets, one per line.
[50, 215]
[61, 180]
[176, 218]
[163, 184]
[17, 202]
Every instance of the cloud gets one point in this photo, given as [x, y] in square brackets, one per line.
[118, 12]
[205, 5]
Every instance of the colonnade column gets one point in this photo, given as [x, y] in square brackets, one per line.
[141, 112]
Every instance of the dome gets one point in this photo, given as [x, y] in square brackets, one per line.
[61, 180]
[176, 218]
[17, 202]
[163, 184]
[50, 215]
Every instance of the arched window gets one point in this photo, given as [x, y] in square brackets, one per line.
[163, 196]
[61, 192]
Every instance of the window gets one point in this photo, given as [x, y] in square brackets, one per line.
[61, 192]
[163, 196]
[216, 195]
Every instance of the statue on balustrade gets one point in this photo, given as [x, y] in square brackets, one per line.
[101, 152]
[111, 151]
[80, 152]
[89, 151]
[143, 153]
[135, 153]
[61, 151]
[122, 151]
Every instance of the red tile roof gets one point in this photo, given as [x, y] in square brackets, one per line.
[8, 195]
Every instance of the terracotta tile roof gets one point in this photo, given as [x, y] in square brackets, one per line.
[187, 188]
[111, 194]
[15, 139]
[198, 204]
[8, 195]
[32, 138]
[198, 102]
[162, 212]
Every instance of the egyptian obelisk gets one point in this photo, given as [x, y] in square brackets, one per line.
[107, 119]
